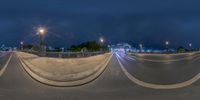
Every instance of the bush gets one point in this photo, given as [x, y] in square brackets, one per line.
[181, 49]
[89, 45]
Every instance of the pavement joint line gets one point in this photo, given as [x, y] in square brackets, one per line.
[157, 86]
[6, 65]
[65, 84]
[164, 60]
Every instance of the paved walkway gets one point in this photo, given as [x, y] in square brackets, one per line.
[58, 69]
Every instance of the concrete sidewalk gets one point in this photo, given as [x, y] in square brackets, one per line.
[64, 70]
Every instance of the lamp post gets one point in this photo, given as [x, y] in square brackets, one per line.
[190, 46]
[101, 40]
[41, 33]
[21, 45]
[167, 45]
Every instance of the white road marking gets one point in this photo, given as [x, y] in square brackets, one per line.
[134, 57]
[5, 66]
[131, 58]
[157, 86]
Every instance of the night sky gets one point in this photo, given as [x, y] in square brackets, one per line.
[150, 22]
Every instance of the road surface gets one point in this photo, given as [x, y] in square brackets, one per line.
[16, 84]
[162, 71]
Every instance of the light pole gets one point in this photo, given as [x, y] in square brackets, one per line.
[101, 40]
[167, 45]
[21, 45]
[41, 33]
[190, 45]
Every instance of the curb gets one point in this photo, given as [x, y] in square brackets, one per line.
[46, 81]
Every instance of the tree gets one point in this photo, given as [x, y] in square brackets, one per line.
[89, 45]
[181, 49]
[35, 48]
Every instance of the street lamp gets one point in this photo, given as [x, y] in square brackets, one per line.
[167, 42]
[21, 45]
[167, 45]
[101, 39]
[41, 32]
[190, 45]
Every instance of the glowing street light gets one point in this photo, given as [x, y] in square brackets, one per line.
[190, 45]
[21, 45]
[41, 32]
[167, 42]
[167, 45]
[101, 40]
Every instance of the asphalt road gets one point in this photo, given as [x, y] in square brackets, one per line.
[16, 84]
[169, 72]
[3, 59]
[165, 56]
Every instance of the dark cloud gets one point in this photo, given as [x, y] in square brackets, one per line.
[73, 21]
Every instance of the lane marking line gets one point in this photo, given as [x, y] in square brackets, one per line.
[157, 86]
[131, 58]
[6, 65]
